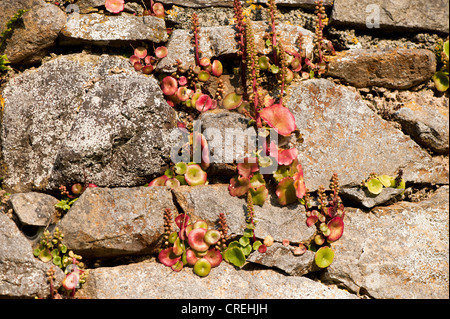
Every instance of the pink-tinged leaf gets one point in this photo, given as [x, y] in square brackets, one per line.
[148, 69]
[159, 181]
[177, 266]
[203, 103]
[239, 186]
[249, 167]
[336, 227]
[140, 52]
[161, 52]
[158, 9]
[71, 281]
[91, 185]
[262, 249]
[280, 118]
[169, 85]
[232, 101]
[115, 6]
[311, 220]
[299, 184]
[183, 93]
[286, 157]
[217, 68]
[205, 61]
[182, 81]
[138, 66]
[182, 220]
[134, 59]
[286, 191]
[167, 257]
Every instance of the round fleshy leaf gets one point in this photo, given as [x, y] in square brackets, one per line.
[239, 186]
[244, 241]
[71, 281]
[374, 186]
[263, 62]
[256, 245]
[134, 59]
[183, 93]
[182, 80]
[286, 191]
[147, 69]
[311, 220]
[386, 180]
[140, 52]
[336, 227]
[324, 257]
[268, 241]
[182, 220]
[195, 175]
[138, 66]
[115, 6]
[280, 118]
[191, 257]
[232, 100]
[167, 257]
[180, 168]
[45, 255]
[300, 250]
[214, 257]
[159, 181]
[286, 157]
[441, 81]
[205, 61]
[235, 256]
[248, 167]
[259, 194]
[203, 76]
[177, 266]
[203, 103]
[196, 239]
[169, 85]
[217, 68]
[212, 236]
[262, 249]
[161, 52]
[158, 9]
[202, 267]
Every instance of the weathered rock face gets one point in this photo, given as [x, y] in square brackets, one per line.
[21, 274]
[398, 251]
[38, 31]
[358, 196]
[34, 209]
[158, 281]
[399, 15]
[221, 41]
[342, 135]
[84, 115]
[392, 68]
[426, 124]
[281, 222]
[106, 30]
[115, 222]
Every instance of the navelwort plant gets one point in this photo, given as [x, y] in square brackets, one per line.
[441, 77]
[52, 249]
[376, 183]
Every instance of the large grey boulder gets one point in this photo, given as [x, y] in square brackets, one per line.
[115, 222]
[343, 135]
[399, 251]
[411, 15]
[223, 282]
[21, 274]
[81, 117]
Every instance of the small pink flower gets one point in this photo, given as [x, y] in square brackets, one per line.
[115, 6]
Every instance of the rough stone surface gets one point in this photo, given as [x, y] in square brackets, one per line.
[399, 251]
[35, 209]
[114, 222]
[21, 274]
[394, 15]
[84, 116]
[38, 31]
[427, 124]
[390, 68]
[221, 41]
[341, 134]
[105, 30]
[281, 222]
[224, 282]
[281, 257]
[363, 197]
[229, 3]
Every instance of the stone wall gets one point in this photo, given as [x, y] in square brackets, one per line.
[73, 110]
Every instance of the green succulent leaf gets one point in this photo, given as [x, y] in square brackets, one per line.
[45, 255]
[63, 249]
[36, 252]
[441, 81]
[256, 245]
[374, 186]
[57, 261]
[247, 250]
[244, 241]
[446, 48]
[248, 233]
[324, 257]
[235, 256]
[386, 180]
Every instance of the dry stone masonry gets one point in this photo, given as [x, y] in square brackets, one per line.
[74, 110]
